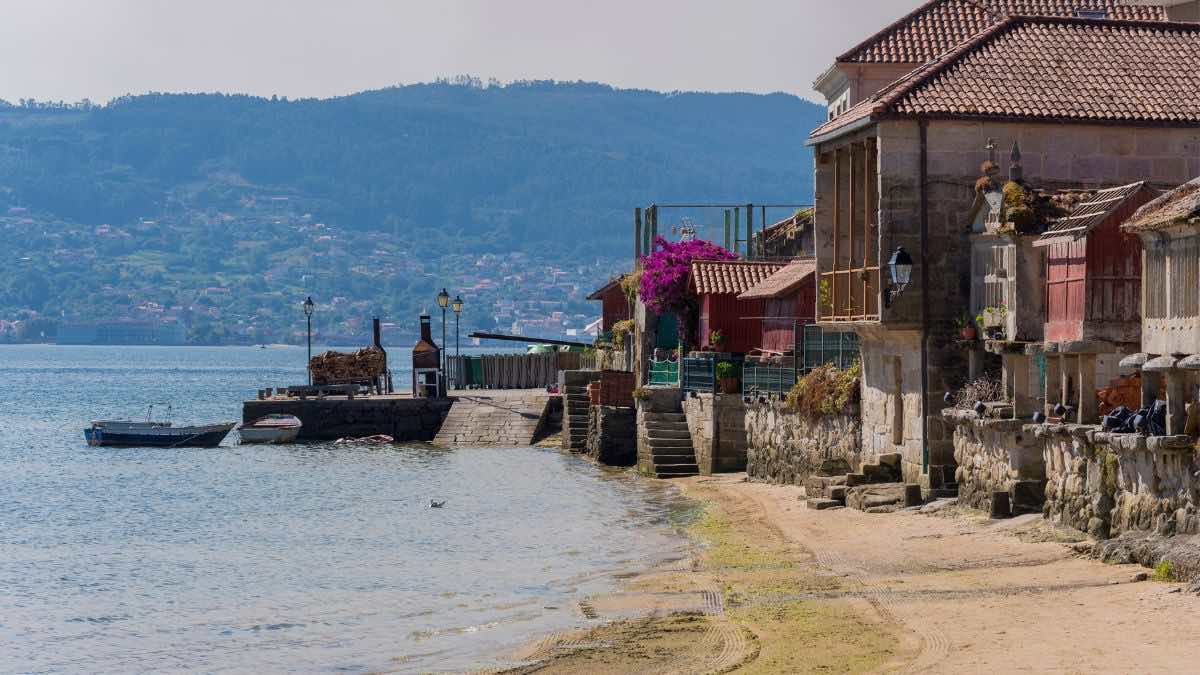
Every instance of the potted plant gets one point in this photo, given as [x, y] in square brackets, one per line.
[715, 340]
[727, 378]
[966, 328]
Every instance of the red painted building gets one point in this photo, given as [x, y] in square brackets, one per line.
[1094, 271]
[614, 306]
[789, 298]
[718, 285]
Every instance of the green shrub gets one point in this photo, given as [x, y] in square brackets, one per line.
[1164, 571]
[725, 370]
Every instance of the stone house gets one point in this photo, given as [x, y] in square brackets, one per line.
[938, 26]
[895, 171]
[1169, 228]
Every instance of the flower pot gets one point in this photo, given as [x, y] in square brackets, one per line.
[968, 333]
[729, 385]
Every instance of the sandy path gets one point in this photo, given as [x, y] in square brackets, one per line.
[981, 598]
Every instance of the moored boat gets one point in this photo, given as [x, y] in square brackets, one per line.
[121, 433]
[271, 429]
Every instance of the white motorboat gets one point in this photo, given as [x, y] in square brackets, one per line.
[271, 429]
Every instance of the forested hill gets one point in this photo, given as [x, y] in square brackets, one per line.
[498, 165]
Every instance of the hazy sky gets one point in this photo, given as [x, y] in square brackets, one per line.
[98, 49]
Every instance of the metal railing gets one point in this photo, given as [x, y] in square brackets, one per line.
[664, 373]
[760, 379]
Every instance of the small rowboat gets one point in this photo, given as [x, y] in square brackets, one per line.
[271, 429]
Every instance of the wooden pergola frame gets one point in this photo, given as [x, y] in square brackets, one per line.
[854, 289]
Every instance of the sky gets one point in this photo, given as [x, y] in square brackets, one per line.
[99, 49]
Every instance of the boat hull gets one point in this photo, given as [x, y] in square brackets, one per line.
[277, 435]
[164, 437]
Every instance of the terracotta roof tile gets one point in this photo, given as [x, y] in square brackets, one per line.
[1053, 68]
[1180, 206]
[783, 282]
[937, 26]
[719, 277]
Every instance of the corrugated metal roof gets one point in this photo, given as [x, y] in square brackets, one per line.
[716, 277]
[783, 282]
[1091, 212]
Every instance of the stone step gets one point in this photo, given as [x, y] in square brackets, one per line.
[667, 426]
[665, 453]
[855, 479]
[837, 493]
[821, 504]
[690, 469]
[665, 417]
[892, 459]
[655, 442]
[668, 433]
[884, 497]
[578, 418]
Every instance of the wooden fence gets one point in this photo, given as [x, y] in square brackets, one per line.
[509, 371]
[608, 359]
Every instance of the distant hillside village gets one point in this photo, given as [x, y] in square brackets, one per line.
[148, 284]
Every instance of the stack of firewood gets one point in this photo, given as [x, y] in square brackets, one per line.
[332, 367]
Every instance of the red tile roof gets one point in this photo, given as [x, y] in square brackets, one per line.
[1052, 69]
[1180, 206]
[939, 25]
[783, 282]
[718, 277]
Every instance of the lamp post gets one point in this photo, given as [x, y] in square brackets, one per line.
[457, 306]
[900, 267]
[443, 300]
[309, 308]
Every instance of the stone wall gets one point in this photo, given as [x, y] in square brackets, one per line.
[785, 448]
[717, 423]
[998, 456]
[612, 435]
[1111, 484]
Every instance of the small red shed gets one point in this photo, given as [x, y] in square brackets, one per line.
[718, 283]
[614, 306]
[1093, 297]
[1094, 271]
[789, 299]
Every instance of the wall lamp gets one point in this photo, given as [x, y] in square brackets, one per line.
[900, 267]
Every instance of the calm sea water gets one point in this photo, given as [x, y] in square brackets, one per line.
[296, 558]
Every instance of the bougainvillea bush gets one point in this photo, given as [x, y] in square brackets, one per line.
[664, 283]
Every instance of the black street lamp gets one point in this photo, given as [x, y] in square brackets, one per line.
[900, 267]
[309, 308]
[457, 306]
[443, 300]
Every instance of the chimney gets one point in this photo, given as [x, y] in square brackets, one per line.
[378, 331]
[426, 329]
[1015, 173]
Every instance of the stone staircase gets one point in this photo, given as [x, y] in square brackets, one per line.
[495, 419]
[575, 418]
[668, 446]
[877, 488]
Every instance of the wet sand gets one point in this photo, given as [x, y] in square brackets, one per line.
[773, 587]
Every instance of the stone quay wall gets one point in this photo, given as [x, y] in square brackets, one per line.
[785, 448]
[612, 435]
[717, 423]
[402, 418]
[997, 457]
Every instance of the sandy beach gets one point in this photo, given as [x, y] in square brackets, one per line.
[774, 587]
